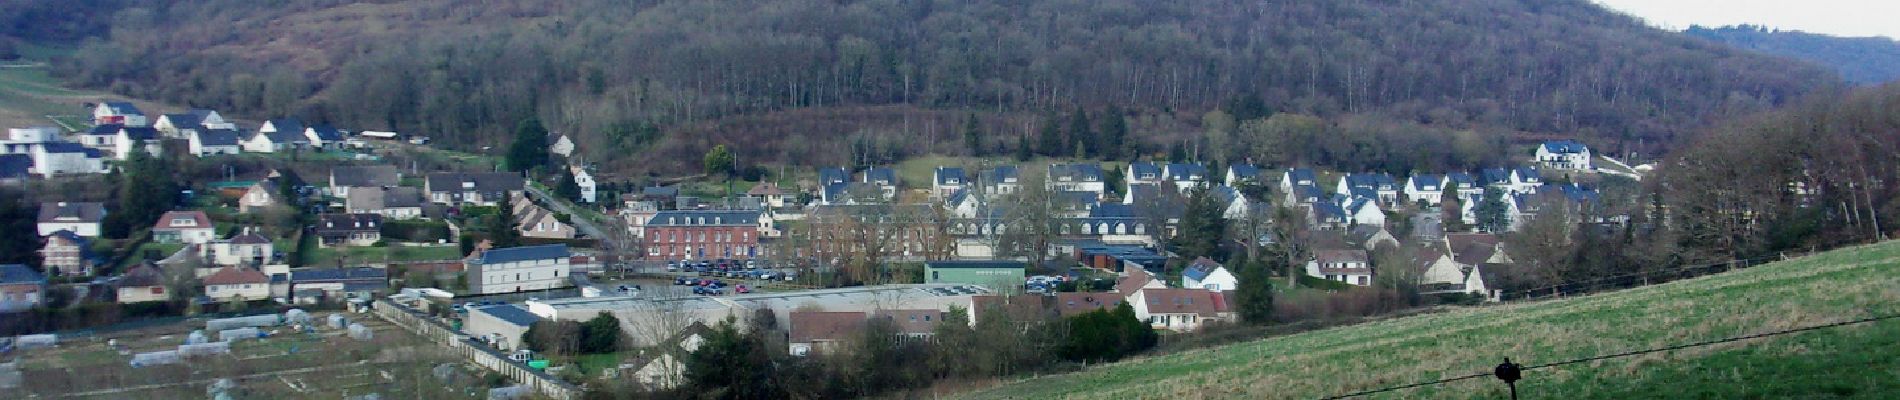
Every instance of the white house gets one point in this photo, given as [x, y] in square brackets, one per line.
[323, 137]
[1362, 211]
[258, 196]
[118, 112]
[946, 181]
[1564, 154]
[208, 142]
[1001, 181]
[1179, 310]
[1243, 174]
[1186, 176]
[1238, 207]
[133, 136]
[237, 282]
[1377, 186]
[243, 249]
[589, 188]
[79, 218]
[59, 158]
[1349, 266]
[1207, 274]
[1428, 188]
[1076, 178]
[192, 227]
[517, 269]
[274, 141]
[1526, 180]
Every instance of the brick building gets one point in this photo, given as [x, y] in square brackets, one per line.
[702, 234]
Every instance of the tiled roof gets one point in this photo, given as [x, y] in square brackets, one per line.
[811, 326]
[1181, 301]
[524, 253]
[72, 212]
[236, 276]
[19, 273]
[198, 220]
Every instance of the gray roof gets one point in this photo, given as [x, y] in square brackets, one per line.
[1076, 172]
[1001, 174]
[183, 121]
[15, 165]
[976, 264]
[827, 176]
[493, 184]
[704, 218]
[72, 212]
[524, 253]
[218, 137]
[139, 132]
[880, 175]
[950, 176]
[123, 108]
[326, 132]
[105, 129]
[510, 313]
[1565, 146]
[1144, 171]
[310, 275]
[19, 273]
[1297, 175]
[365, 175]
[339, 223]
[291, 125]
[1186, 172]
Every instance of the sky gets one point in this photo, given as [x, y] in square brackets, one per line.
[1832, 17]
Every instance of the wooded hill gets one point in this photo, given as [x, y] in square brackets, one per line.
[1863, 60]
[630, 77]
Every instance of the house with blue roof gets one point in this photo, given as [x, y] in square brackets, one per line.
[947, 180]
[1142, 173]
[1526, 180]
[1564, 154]
[1238, 206]
[1327, 215]
[1080, 177]
[1001, 181]
[518, 269]
[118, 112]
[1293, 180]
[15, 168]
[323, 136]
[1468, 186]
[1204, 273]
[133, 138]
[1243, 174]
[1427, 188]
[830, 175]
[21, 287]
[207, 142]
[1377, 186]
[1186, 176]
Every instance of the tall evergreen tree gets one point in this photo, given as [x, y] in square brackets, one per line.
[19, 235]
[1114, 133]
[530, 148]
[501, 229]
[566, 188]
[146, 191]
[973, 136]
[1202, 226]
[1082, 134]
[1255, 294]
[1453, 207]
[1049, 139]
[1023, 152]
[1492, 212]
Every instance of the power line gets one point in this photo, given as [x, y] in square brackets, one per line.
[1626, 354]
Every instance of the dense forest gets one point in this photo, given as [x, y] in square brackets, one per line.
[669, 79]
[1863, 60]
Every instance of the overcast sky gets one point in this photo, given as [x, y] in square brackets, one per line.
[1833, 17]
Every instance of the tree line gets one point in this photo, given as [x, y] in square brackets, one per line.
[627, 77]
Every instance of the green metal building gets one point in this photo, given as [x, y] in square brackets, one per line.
[993, 274]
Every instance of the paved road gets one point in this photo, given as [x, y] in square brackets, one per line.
[581, 222]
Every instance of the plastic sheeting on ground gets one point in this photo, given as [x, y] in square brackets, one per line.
[360, 332]
[156, 358]
[204, 349]
[239, 334]
[241, 322]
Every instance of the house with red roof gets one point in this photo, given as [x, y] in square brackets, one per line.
[820, 331]
[229, 282]
[1180, 309]
[192, 227]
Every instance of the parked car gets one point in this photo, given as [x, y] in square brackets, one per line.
[521, 356]
[742, 289]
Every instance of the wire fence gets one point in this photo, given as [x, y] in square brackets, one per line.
[1554, 364]
[1636, 279]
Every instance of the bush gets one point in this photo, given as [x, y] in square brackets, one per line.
[415, 231]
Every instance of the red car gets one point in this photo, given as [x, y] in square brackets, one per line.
[741, 289]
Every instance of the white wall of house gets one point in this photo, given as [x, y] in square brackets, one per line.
[85, 229]
[143, 294]
[249, 291]
[521, 276]
[1216, 281]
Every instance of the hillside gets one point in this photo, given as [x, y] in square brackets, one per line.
[1851, 362]
[1862, 60]
[634, 77]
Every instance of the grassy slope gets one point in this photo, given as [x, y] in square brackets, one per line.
[1857, 361]
[28, 94]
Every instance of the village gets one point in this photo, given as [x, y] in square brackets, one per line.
[308, 216]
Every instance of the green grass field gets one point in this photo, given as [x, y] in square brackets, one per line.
[1859, 361]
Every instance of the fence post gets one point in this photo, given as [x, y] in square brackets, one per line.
[1509, 372]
